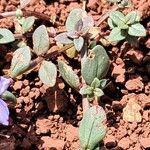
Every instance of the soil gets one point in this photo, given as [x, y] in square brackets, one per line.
[48, 118]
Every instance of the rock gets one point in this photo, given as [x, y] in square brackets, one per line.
[146, 114]
[145, 142]
[133, 126]
[124, 143]
[43, 126]
[18, 85]
[145, 100]
[71, 133]
[49, 143]
[118, 72]
[135, 84]
[134, 137]
[135, 55]
[110, 141]
[131, 113]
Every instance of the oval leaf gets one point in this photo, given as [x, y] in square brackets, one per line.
[8, 96]
[78, 43]
[20, 61]
[116, 35]
[137, 30]
[63, 38]
[92, 128]
[6, 36]
[48, 73]
[95, 65]
[132, 17]
[40, 40]
[73, 18]
[28, 23]
[117, 17]
[68, 75]
[111, 23]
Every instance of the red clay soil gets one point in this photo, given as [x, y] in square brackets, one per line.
[48, 118]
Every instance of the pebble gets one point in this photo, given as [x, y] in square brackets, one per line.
[145, 142]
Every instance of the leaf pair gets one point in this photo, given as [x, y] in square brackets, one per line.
[26, 23]
[77, 25]
[95, 89]
[21, 60]
[125, 26]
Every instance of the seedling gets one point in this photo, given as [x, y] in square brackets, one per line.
[78, 25]
[125, 27]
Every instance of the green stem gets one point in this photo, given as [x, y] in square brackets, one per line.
[26, 13]
[38, 60]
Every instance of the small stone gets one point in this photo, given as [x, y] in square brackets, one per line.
[26, 82]
[18, 85]
[135, 55]
[145, 142]
[110, 142]
[135, 84]
[124, 143]
[133, 126]
[49, 143]
[146, 114]
[133, 137]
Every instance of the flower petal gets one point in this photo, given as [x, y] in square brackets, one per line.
[4, 113]
[4, 84]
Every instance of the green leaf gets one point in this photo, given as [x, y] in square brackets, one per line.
[116, 35]
[78, 43]
[40, 40]
[95, 65]
[71, 52]
[117, 17]
[92, 44]
[98, 92]
[28, 23]
[132, 17]
[103, 83]
[92, 128]
[74, 16]
[48, 73]
[88, 22]
[86, 90]
[95, 83]
[20, 61]
[6, 36]
[137, 30]
[111, 23]
[63, 38]
[68, 75]
[8, 96]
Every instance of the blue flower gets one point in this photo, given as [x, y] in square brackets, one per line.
[4, 112]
